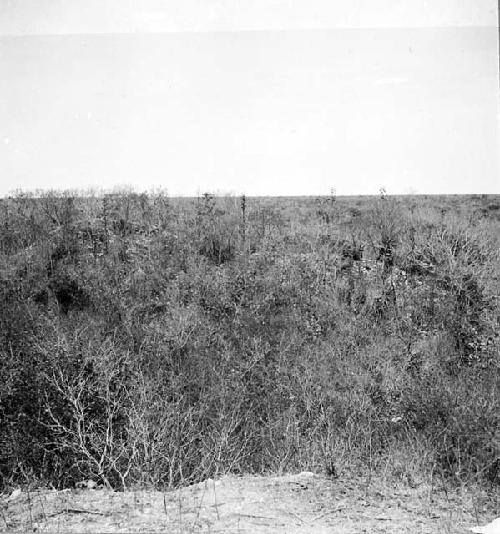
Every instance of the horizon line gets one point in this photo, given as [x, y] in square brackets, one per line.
[85, 193]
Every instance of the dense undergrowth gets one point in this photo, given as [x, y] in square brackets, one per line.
[154, 341]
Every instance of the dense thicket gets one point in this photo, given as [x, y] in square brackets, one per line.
[154, 341]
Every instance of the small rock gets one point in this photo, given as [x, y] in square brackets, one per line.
[15, 495]
[490, 528]
[86, 484]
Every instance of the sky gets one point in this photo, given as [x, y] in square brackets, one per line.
[263, 97]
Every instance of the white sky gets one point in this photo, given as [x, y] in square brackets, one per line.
[175, 94]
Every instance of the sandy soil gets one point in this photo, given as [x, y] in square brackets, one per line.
[303, 503]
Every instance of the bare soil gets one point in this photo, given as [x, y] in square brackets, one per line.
[303, 503]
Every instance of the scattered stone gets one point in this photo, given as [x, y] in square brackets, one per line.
[86, 484]
[490, 528]
[16, 494]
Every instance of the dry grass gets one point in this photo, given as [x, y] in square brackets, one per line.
[290, 503]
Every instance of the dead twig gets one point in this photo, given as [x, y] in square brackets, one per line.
[328, 512]
[294, 514]
[4, 518]
[215, 500]
[256, 516]
[76, 511]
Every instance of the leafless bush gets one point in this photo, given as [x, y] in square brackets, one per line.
[194, 338]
